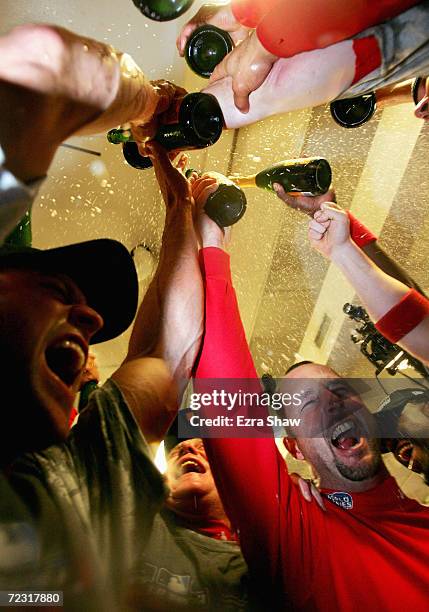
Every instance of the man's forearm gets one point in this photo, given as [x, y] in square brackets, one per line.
[54, 83]
[383, 261]
[170, 319]
[377, 290]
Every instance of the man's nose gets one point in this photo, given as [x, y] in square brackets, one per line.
[422, 109]
[188, 447]
[87, 320]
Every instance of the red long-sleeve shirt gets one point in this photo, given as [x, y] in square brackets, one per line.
[372, 554]
[287, 27]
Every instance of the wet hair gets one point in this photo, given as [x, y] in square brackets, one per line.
[415, 89]
[297, 365]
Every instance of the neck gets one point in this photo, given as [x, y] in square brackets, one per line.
[219, 529]
[200, 513]
[338, 482]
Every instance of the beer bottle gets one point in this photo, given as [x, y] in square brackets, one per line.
[227, 204]
[162, 10]
[200, 124]
[206, 47]
[309, 176]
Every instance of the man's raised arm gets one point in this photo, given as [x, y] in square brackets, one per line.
[54, 83]
[401, 314]
[168, 328]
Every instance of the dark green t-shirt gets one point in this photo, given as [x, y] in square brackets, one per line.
[107, 531]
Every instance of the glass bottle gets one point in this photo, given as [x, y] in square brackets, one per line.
[85, 392]
[227, 204]
[308, 175]
[206, 47]
[200, 124]
[21, 236]
[353, 112]
[162, 10]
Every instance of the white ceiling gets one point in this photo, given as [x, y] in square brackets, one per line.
[284, 290]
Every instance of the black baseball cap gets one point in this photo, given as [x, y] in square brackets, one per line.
[103, 270]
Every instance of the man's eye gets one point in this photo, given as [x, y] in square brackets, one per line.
[309, 403]
[58, 290]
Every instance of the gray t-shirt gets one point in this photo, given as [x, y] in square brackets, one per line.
[404, 45]
[109, 495]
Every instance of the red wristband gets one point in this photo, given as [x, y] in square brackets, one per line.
[404, 316]
[368, 56]
[360, 234]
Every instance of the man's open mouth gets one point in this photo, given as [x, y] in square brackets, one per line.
[346, 435]
[189, 466]
[66, 358]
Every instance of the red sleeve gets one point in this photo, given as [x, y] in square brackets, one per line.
[250, 12]
[246, 470]
[368, 56]
[225, 351]
[404, 316]
[290, 27]
[360, 234]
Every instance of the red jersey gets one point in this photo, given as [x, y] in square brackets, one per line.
[287, 27]
[369, 551]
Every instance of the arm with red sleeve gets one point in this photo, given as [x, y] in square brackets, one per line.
[246, 470]
[400, 314]
[287, 27]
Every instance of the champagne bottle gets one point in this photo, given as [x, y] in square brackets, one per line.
[200, 125]
[353, 112]
[206, 47]
[85, 392]
[21, 236]
[227, 204]
[162, 10]
[309, 176]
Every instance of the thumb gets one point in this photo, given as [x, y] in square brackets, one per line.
[330, 211]
[182, 39]
[330, 206]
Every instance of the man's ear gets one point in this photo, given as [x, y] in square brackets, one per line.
[293, 448]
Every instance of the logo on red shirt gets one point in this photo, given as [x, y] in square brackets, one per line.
[344, 500]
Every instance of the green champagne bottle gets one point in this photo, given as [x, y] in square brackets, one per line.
[353, 112]
[85, 392]
[206, 47]
[200, 125]
[162, 10]
[21, 236]
[308, 176]
[227, 204]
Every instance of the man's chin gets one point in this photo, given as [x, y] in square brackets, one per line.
[362, 470]
[359, 464]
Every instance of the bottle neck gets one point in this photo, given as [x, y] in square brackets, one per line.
[21, 236]
[244, 181]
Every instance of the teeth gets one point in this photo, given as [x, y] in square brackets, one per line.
[341, 429]
[190, 463]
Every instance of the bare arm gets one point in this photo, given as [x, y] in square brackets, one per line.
[329, 234]
[54, 83]
[310, 205]
[302, 81]
[168, 329]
